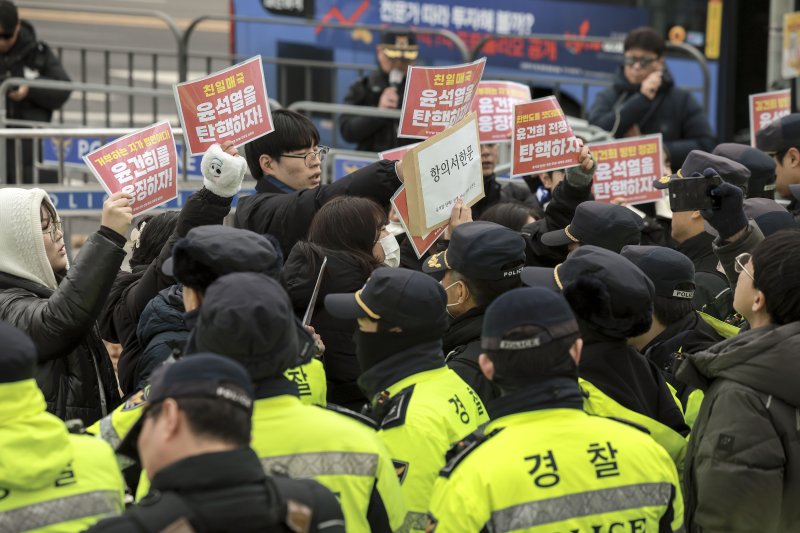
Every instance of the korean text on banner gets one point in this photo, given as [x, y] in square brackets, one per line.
[396, 154]
[766, 108]
[420, 244]
[543, 139]
[143, 164]
[627, 168]
[441, 170]
[438, 97]
[494, 103]
[229, 105]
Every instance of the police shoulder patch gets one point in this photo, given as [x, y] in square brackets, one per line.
[397, 409]
[364, 419]
[460, 450]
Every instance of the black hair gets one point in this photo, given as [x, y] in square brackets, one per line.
[645, 38]
[513, 215]
[155, 230]
[193, 273]
[779, 155]
[215, 419]
[776, 273]
[486, 291]
[293, 131]
[669, 310]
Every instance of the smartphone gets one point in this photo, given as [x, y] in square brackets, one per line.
[692, 194]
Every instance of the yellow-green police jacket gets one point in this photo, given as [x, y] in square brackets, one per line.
[435, 409]
[51, 481]
[558, 470]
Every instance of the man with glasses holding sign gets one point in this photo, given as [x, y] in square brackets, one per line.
[644, 100]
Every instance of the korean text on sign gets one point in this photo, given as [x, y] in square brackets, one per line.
[143, 164]
[494, 103]
[542, 138]
[766, 108]
[438, 97]
[230, 105]
[627, 168]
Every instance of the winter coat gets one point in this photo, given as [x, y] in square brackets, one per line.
[287, 216]
[74, 371]
[462, 348]
[742, 469]
[674, 113]
[709, 280]
[161, 332]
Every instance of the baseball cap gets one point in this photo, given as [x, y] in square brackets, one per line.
[769, 216]
[400, 297]
[18, 361]
[203, 375]
[398, 44]
[671, 272]
[761, 166]
[9, 17]
[779, 135]
[698, 161]
[481, 250]
[609, 226]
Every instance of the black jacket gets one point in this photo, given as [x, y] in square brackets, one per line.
[162, 331]
[74, 371]
[287, 216]
[709, 280]
[504, 192]
[371, 134]
[462, 347]
[226, 492]
[674, 113]
[342, 274]
[132, 291]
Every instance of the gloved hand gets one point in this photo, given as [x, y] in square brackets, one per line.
[581, 176]
[729, 218]
[223, 172]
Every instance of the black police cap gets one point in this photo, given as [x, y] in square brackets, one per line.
[779, 135]
[671, 272]
[761, 166]
[698, 161]
[608, 226]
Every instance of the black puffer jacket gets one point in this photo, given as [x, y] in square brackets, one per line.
[674, 113]
[162, 331]
[74, 372]
[462, 348]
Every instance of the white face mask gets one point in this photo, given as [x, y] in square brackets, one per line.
[449, 305]
[395, 228]
[391, 251]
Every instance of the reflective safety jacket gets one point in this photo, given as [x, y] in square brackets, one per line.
[343, 454]
[428, 412]
[51, 481]
[597, 403]
[549, 470]
[311, 382]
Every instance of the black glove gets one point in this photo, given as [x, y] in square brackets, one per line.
[729, 218]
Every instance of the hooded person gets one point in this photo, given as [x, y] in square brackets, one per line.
[613, 301]
[58, 305]
[51, 480]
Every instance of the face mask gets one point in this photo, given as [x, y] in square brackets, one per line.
[395, 228]
[450, 305]
[391, 251]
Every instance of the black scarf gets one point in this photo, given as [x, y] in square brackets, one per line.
[547, 393]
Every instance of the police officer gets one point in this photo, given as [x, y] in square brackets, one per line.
[193, 442]
[50, 480]
[761, 166]
[421, 406]
[781, 141]
[600, 224]
[542, 463]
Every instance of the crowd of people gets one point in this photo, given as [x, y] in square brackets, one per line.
[549, 365]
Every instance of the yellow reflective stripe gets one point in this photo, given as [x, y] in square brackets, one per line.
[108, 432]
[314, 464]
[581, 504]
[59, 510]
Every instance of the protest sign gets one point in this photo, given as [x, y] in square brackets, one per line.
[229, 105]
[420, 244]
[396, 154]
[766, 108]
[494, 102]
[543, 139]
[143, 163]
[440, 170]
[437, 97]
[627, 168]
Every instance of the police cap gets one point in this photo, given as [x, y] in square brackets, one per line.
[779, 135]
[761, 166]
[18, 360]
[600, 224]
[671, 272]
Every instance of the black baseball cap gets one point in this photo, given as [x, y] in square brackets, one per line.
[481, 250]
[9, 17]
[671, 272]
[203, 375]
[769, 216]
[18, 359]
[400, 297]
[223, 250]
[609, 226]
[779, 135]
[761, 166]
[698, 161]
[548, 311]
[400, 45]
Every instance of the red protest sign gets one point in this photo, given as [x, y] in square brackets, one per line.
[437, 97]
[229, 105]
[627, 168]
[396, 154]
[494, 102]
[766, 108]
[542, 139]
[420, 244]
[144, 164]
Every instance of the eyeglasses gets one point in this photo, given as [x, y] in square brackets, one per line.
[644, 62]
[739, 263]
[320, 154]
[54, 228]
